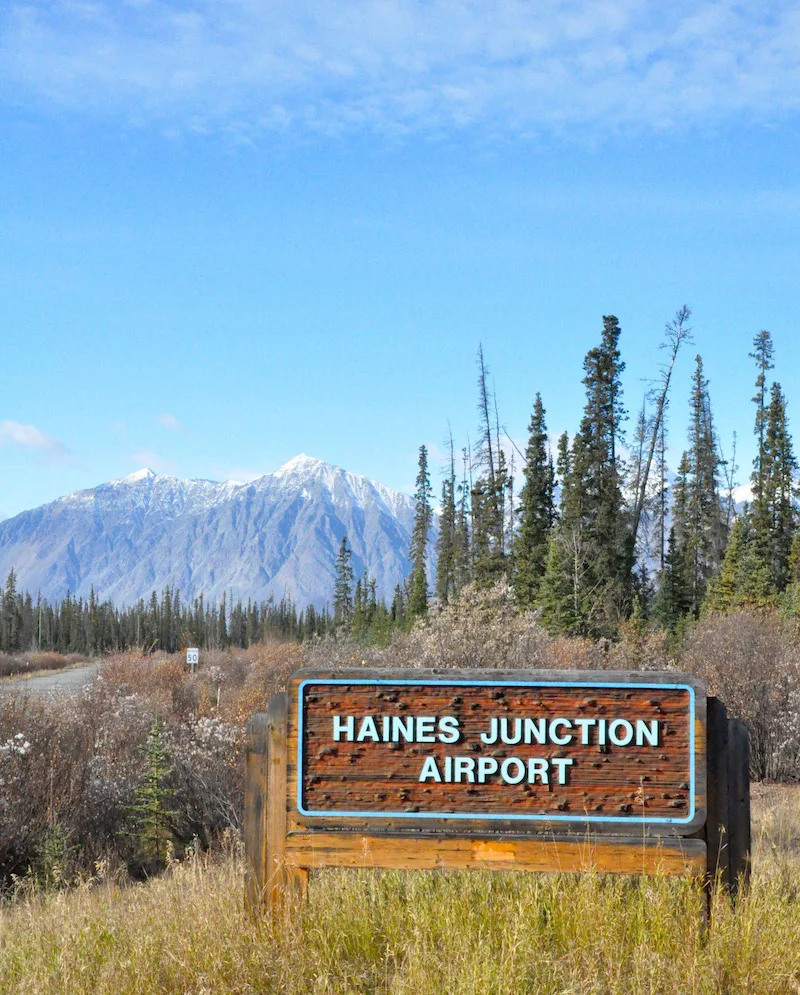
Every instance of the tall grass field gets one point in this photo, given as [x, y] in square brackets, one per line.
[418, 933]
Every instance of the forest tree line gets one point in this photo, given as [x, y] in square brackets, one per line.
[90, 626]
[597, 536]
[602, 535]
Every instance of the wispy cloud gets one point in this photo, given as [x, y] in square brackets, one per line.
[152, 461]
[30, 437]
[509, 66]
[170, 421]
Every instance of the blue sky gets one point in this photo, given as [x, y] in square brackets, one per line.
[233, 231]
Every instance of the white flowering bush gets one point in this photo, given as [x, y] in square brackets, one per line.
[206, 756]
[70, 767]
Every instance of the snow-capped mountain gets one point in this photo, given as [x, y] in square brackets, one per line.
[278, 535]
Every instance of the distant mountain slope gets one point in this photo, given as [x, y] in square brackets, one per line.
[277, 535]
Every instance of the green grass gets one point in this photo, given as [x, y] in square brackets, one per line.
[424, 933]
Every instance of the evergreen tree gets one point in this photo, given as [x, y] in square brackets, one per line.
[488, 494]
[565, 595]
[222, 622]
[462, 556]
[359, 624]
[418, 551]
[446, 548]
[398, 609]
[700, 520]
[794, 560]
[744, 578]
[343, 587]
[774, 510]
[536, 510]
[593, 559]
[150, 812]
[10, 616]
[480, 547]
[671, 602]
[763, 352]
[563, 459]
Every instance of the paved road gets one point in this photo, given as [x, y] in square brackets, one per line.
[59, 682]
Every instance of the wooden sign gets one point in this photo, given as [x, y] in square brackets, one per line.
[527, 770]
[600, 752]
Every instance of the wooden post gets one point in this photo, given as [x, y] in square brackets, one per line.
[738, 804]
[281, 879]
[255, 810]
[717, 787]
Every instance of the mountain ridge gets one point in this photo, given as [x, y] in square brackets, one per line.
[276, 535]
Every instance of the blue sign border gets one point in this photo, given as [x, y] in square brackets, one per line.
[423, 682]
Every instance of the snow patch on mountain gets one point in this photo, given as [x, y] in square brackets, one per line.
[278, 535]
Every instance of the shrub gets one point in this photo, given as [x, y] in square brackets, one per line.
[76, 762]
[751, 662]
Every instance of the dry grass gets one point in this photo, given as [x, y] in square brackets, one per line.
[390, 933]
[425, 933]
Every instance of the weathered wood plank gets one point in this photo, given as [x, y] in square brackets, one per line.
[738, 804]
[717, 822]
[622, 855]
[275, 826]
[255, 807]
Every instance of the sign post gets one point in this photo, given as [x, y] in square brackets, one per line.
[523, 770]
[192, 658]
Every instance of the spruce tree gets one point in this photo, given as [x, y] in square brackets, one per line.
[794, 560]
[359, 624]
[702, 535]
[564, 595]
[446, 550]
[150, 812]
[10, 627]
[536, 511]
[343, 587]
[563, 459]
[462, 565]
[763, 352]
[488, 494]
[593, 563]
[398, 610]
[418, 551]
[480, 545]
[671, 602]
[744, 578]
[774, 513]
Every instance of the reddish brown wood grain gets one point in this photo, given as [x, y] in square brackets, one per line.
[633, 783]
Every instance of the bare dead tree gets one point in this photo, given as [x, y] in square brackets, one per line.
[676, 332]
